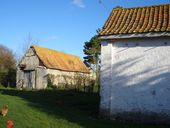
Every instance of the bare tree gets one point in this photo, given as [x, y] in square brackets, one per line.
[28, 41]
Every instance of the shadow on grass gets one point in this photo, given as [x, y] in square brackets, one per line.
[75, 107]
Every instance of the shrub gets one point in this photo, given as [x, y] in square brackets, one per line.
[8, 78]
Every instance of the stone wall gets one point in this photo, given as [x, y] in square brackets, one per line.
[63, 78]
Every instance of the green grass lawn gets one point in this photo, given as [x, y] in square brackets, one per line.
[55, 109]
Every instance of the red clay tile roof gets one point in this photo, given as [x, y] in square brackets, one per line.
[59, 60]
[138, 20]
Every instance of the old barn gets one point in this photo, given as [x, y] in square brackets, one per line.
[135, 63]
[41, 66]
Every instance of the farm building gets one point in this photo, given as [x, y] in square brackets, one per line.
[41, 66]
[135, 63]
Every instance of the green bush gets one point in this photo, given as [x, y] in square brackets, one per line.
[8, 79]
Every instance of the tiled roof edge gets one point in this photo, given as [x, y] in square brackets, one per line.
[122, 36]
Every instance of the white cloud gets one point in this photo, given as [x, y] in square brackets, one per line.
[78, 3]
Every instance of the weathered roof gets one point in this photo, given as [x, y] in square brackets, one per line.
[138, 20]
[59, 60]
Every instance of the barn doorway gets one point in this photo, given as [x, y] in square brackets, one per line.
[29, 79]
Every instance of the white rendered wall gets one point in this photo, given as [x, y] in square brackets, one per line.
[139, 78]
[105, 78]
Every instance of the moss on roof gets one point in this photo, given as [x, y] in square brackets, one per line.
[60, 60]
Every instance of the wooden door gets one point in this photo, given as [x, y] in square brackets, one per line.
[29, 79]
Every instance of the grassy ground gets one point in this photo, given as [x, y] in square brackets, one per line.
[55, 109]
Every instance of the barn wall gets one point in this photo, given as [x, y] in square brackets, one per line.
[31, 61]
[60, 78]
[139, 79]
[20, 78]
[41, 78]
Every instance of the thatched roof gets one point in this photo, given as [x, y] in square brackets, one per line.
[59, 60]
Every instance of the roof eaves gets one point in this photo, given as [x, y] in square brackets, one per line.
[124, 36]
[88, 72]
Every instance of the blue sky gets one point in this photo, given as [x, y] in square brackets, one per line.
[63, 25]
